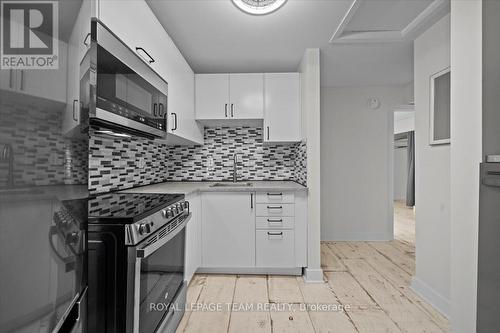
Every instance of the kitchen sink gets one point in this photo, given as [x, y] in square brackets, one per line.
[232, 184]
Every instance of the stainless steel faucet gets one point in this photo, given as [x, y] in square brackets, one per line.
[7, 154]
[235, 164]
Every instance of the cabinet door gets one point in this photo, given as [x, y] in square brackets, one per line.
[78, 45]
[136, 25]
[8, 79]
[246, 95]
[228, 230]
[212, 96]
[282, 107]
[49, 84]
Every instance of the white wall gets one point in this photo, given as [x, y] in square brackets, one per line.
[466, 132]
[432, 175]
[357, 146]
[400, 173]
[310, 96]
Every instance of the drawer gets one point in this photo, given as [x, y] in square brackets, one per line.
[269, 222]
[275, 248]
[275, 197]
[275, 209]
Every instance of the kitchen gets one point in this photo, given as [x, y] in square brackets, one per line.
[148, 187]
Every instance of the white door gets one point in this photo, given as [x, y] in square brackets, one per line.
[282, 111]
[212, 96]
[228, 230]
[246, 95]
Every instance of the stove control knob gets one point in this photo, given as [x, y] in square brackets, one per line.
[180, 206]
[167, 213]
[174, 210]
[144, 228]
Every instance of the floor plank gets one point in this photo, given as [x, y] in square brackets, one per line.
[373, 321]
[406, 315]
[218, 289]
[404, 262]
[284, 289]
[291, 320]
[329, 261]
[193, 293]
[246, 316]
[349, 291]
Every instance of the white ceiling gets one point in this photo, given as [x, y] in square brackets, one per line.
[215, 36]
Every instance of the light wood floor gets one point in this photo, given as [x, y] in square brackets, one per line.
[370, 280]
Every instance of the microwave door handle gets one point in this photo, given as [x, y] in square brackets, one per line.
[150, 249]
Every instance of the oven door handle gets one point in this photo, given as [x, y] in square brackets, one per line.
[150, 249]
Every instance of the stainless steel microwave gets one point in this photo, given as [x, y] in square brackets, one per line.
[122, 94]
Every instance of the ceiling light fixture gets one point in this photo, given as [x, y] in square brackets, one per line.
[259, 7]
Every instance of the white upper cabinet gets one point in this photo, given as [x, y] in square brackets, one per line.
[282, 110]
[229, 96]
[137, 26]
[212, 96]
[246, 96]
[78, 45]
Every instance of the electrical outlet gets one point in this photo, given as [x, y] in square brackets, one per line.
[142, 163]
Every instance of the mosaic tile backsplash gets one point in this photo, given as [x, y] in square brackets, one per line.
[42, 156]
[124, 163]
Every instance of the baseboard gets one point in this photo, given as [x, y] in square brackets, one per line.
[432, 297]
[361, 236]
[313, 275]
[297, 271]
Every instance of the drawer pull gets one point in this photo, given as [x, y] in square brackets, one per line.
[274, 207]
[275, 194]
[275, 233]
[275, 220]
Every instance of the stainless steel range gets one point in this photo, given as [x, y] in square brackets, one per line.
[136, 262]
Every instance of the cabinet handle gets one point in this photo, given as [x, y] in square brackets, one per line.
[175, 121]
[251, 200]
[274, 207]
[11, 78]
[268, 133]
[74, 110]
[275, 194]
[225, 110]
[85, 40]
[22, 79]
[232, 110]
[154, 110]
[275, 233]
[151, 60]
[275, 220]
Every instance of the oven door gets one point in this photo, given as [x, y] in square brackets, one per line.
[158, 264]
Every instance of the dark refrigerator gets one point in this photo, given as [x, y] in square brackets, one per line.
[43, 168]
[488, 302]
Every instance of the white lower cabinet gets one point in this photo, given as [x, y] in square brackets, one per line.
[228, 229]
[240, 235]
[193, 237]
[275, 248]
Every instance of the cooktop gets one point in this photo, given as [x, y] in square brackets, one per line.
[125, 208]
